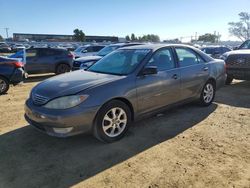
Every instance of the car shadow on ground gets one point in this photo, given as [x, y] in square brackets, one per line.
[230, 94]
[32, 159]
[38, 78]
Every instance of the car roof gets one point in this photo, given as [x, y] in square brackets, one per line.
[125, 44]
[211, 47]
[157, 46]
[47, 48]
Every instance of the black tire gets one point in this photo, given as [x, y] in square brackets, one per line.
[229, 80]
[98, 127]
[207, 94]
[62, 68]
[4, 85]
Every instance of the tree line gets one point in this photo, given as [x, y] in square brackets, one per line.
[144, 38]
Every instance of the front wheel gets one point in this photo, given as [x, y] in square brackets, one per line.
[4, 85]
[112, 121]
[207, 94]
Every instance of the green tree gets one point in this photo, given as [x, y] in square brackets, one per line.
[150, 38]
[127, 38]
[144, 38]
[133, 38]
[1, 38]
[79, 35]
[208, 37]
[241, 29]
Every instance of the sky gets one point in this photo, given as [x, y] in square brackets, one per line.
[167, 18]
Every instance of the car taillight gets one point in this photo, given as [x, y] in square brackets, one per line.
[18, 64]
[71, 55]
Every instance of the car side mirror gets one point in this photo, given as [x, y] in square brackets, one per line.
[235, 48]
[149, 70]
[84, 51]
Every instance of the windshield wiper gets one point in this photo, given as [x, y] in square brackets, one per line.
[111, 73]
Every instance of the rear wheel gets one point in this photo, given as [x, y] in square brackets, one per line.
[229, 80]
[62, 68]
[4, 85]
[207, 94]
[112, 121]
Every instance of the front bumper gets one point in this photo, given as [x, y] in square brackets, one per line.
[239, 73]
[75, 68]
[75, 120]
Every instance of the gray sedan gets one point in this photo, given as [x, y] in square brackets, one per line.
[122, 87]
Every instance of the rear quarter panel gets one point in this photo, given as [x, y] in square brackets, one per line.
[217, 72]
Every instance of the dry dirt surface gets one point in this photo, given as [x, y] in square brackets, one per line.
[188, 146]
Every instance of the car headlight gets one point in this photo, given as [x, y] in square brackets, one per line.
[86, 65]
[66, 102]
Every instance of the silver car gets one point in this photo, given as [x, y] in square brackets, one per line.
[122, 87]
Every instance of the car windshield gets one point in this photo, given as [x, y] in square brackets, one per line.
[79, 49]
[120, 62]
[107, 50]
[208, 50]
[245, 45]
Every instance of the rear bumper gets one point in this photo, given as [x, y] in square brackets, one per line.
[220, 82]
[60, 123]
[18, 76]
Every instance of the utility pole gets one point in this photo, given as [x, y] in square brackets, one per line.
[7, 31]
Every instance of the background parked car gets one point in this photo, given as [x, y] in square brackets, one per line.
[215, 51]
[237, 65]
[124, 86]
[17, 47]
[4, 48]
[85, 62]
[87, 50]
[48, 60]
[244, 45]
[11, 72]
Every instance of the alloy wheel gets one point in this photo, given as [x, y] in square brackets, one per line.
[3, 85]
[208, 93]
[114, 122]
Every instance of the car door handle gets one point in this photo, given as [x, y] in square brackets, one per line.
[205, 68]
[175, 76]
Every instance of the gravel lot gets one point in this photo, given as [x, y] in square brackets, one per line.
[188, 146]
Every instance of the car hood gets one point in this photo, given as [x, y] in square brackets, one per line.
[71, 83]
[88, 58]
[238, 52]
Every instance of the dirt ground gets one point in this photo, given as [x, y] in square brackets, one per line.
[188, 146]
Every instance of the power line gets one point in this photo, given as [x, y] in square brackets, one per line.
[7, 31]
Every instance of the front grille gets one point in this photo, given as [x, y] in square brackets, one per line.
[39, 100]
[238, 61]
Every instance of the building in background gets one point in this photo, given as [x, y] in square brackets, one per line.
[25, 37]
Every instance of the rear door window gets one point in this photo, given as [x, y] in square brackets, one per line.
[187, 57]
[31, 53]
